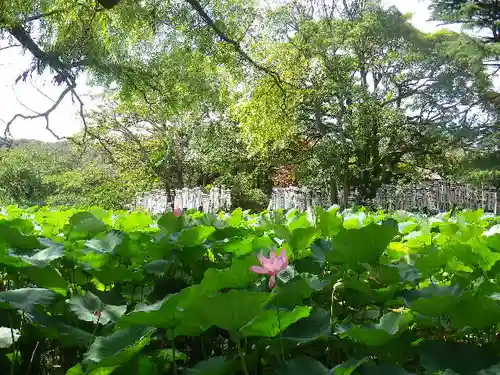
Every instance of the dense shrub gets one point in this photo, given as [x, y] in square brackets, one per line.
[101, 292]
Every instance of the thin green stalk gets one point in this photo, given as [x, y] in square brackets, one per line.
[133, 294]
[332, 308]
[203, 349]
[96, 325]
[32, 357]
[14, 357]
[493, 335]
[22, 322]
[173, 353]
[243, 363]
[279, 328]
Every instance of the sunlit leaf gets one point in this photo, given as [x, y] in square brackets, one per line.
[27, 298]
[91, 309]
[8, 336]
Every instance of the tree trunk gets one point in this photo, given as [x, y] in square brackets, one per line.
[334, 198]
[166, 187]
[346, 190]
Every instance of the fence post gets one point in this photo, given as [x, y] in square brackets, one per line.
[433, 197]
[496, 203]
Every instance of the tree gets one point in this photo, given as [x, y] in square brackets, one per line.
[37, 173]
[92, 184]
[368, 94]
[119, 43]
[342, 94]
[177, 133]
[183, 150]
[22, 171]
[471, 13]
[480, 43]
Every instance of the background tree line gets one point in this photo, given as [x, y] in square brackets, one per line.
[344, 95]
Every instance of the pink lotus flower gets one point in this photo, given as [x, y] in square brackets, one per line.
[177, 212]
[271, 266]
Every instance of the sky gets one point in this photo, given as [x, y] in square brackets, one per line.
[38, 93]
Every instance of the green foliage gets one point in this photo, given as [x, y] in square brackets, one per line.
[37, 173]
[389, 294]
[342, 97]
[348, 113]
[480, 44]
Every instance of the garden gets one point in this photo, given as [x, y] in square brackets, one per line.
[334, 292]
[310, 145]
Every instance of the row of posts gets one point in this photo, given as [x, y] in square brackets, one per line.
[433, 197]
[158, 201]
[436, 197]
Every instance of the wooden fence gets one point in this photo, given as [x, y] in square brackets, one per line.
[436, 196]
[433, 197]
[156, 201]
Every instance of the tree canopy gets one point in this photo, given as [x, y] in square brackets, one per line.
[481, 42]
[344, 95]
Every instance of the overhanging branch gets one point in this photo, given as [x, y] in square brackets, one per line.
[52, 60]
[44, 115]
[9, 46]
[64, 75]
[48, 14]
[208, 20]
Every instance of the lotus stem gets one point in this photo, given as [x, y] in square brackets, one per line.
[32, 357]
[173, 353]
[14, 357]
[243, 363]
[279, 328]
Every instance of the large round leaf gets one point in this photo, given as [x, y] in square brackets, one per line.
[236, 276]
[272, 322]
[91, 309]
[390, 325]
[15, 239]
[27, 298]
[463, 358]
[169, 223]
[195, 236]
[301, 366]
[77, 370]
[84, 225]
[117, 348]
[166, 313]
[316, 326]
[433, 300]
[212, 366]
[42, 258]
[230, 311]
[384, 369]
[475, 311]
[348, 367]
[365, 245]
[47, 277]
[55, 327]
[105, 244]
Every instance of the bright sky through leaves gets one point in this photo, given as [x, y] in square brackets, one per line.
[64, 121]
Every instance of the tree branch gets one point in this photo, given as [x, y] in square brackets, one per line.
[24, 105]
[64, 74]
[10, 46]
[41, 92]
[45, 114]
[109, 4]
[52, 60]
[208, 20]
[48, 14]
[86, 129]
